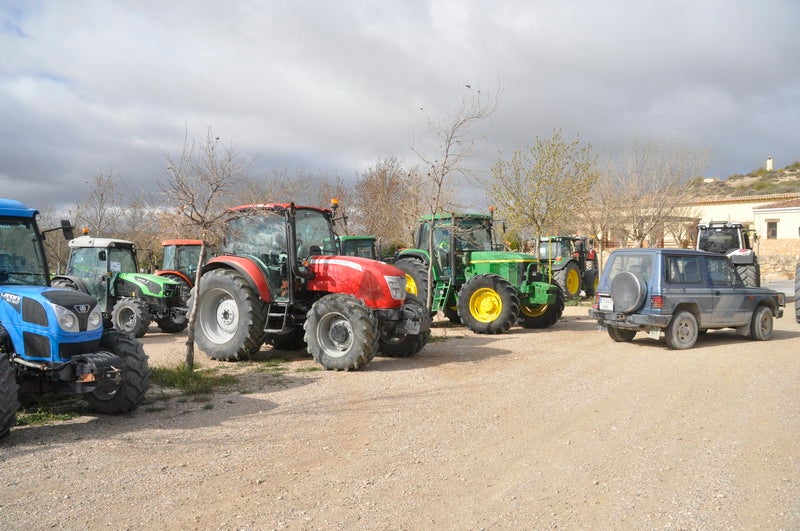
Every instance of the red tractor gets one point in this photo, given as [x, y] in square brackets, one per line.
[278, 280]
[179, 263]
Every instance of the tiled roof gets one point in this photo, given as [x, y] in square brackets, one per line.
[789, 203]
[744, 199]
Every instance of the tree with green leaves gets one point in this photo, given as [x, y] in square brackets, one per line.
[542, 189]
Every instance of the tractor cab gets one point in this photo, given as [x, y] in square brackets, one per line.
[453, 237]
[359, 245]
[262, 234]
[22, 261]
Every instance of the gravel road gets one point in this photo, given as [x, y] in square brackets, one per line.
[530, 429]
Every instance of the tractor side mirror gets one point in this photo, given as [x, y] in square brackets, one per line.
[101, 256]
[67, 229]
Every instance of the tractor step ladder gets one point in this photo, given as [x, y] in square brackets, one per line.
[440, 295]
[279, 316]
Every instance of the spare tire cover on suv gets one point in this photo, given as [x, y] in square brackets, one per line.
[628, 291]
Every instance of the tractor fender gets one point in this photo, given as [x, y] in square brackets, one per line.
[164, 272]
[78, 281]
[247, 268]
[361, 277]
[419, 254]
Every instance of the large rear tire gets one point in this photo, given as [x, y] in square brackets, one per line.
[569, 281]
[341, 332]
[542, 315]
[406, 345]
[131, 316]
[682, 331]
[416, 276]
[229, 316]
[797, 292]
[751, 274]
[488, 304]
[9, 396]
[130, 392]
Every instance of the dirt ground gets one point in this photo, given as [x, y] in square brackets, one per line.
[530, 429]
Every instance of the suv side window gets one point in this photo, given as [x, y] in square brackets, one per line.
[720, 271]
[683, 270]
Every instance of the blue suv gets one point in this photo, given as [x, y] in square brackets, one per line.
[681, 292]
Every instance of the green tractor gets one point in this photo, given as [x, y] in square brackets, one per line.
[573, 262]
[486, 290]
[363, 246]
[107, 269]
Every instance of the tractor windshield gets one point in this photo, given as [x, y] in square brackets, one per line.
[21, 258]
[92, 261]
[181, 258]
[718, 240]
[256, 233]
[314, 233]
[473, 235]
[555, 250]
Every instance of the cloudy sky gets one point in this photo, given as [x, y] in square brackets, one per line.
[333, 87]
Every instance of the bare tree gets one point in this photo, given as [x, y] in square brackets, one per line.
[544, 187]
[387, 202]
[446, 157]
[651, 180]
[196, 184]
[103, 207]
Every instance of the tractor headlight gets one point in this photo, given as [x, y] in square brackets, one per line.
[67, 320]
[397, 287]
[95, 320]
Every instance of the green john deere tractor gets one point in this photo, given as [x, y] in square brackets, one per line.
[484, 289]
[108, 270]
[363, 246]
[573, 262]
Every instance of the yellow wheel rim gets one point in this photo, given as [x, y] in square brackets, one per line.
[573, 282]
[596, 283]
[411, 286]
[485, 305]
[534, 310]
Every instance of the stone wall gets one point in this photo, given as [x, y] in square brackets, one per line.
[778, 258]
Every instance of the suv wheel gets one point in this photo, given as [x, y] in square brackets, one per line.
[682, 331]
[761, 325]
[621, 335]
[628, 291]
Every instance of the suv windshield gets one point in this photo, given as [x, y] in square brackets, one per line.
[641, 264]
[21, 258]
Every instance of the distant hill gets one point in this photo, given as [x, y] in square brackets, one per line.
[758, 182]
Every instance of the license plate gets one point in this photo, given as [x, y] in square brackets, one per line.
[606, 304]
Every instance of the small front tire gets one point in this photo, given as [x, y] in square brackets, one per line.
[130, 392]
[131, 316]
[341, 332]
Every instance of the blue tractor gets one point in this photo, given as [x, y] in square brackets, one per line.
[51, 339]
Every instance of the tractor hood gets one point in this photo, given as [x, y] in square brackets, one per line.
[43, 322]
[378, 284]
[501, 256]
[135, 284]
